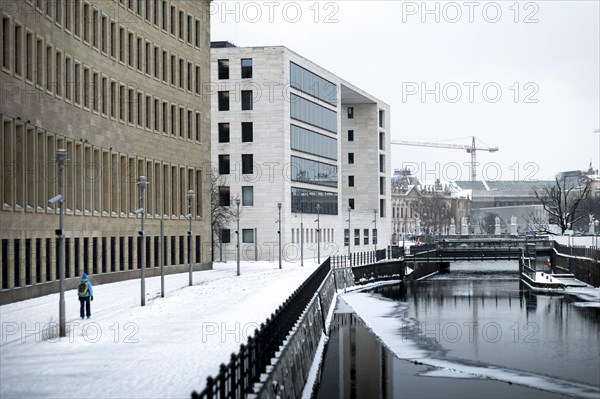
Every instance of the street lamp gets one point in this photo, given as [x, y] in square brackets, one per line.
[375, 230]
[190, 196]
[237, 232]
[318, 233]
[142, 182]
[301, 239]
[279, 231]
[61, 159]
[349, 242]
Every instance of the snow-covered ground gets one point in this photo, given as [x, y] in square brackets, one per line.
[165, 349]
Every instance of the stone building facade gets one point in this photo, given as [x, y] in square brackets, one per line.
[120, 86]
[285, 130]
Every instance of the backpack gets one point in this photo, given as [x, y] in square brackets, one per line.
[83, 289]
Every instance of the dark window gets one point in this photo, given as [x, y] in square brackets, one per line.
[306, 201]
[247, 132]
[224, 164]
[350, 112]
[382, 141]
[374, 236]
[223, 69]
[224, 197]
[350, 135]
[350, 181]
[223, 101]
[381, 117]
[381, 163]
[309, 171]
[225, 236]
[223, 132]
[350, 157]
[366, 236]
[247, 164]
[356, 236]
[346, 237]
[246, 68]
[246, 100]
[351, 203]
[305, 140]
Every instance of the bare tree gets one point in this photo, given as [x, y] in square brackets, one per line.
[221, 212]
[434, 211]
[563, 199]
[489, 222]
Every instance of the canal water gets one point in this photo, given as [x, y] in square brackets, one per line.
[475, 331]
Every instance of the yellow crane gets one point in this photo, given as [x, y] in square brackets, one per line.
[471, 149]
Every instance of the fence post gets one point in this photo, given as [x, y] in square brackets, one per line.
[221, 383]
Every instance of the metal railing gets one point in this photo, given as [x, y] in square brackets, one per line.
[579, 251]
[237, 378]
[357, 259]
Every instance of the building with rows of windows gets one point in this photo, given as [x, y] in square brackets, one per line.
[285, 130]
[118, 85]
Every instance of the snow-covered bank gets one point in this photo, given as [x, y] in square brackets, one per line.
[165, 349]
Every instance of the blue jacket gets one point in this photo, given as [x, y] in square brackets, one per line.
[90, 291]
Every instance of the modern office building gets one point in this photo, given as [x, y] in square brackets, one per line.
[118, 85]
[286, 131]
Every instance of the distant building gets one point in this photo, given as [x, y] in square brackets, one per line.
[408, 192]
[286, 130]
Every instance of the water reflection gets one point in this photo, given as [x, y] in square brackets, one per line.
[484, 319]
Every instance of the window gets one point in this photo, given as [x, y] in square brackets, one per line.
[310, 142]
[382, 141]
[313, 113]
[350, 181]
[246, 68]
[121, 44]
[374, 236]
[29, 57]
[198, 126]
[356, 236]
[224, 161]
[113, 39]
[173, 67]
[247, 164]
[165, 57]
[225, 236]
[103, 34]
[181, 73]
[173, 19]
[156, 62]
[247, 196]
[350, 157]
[223, 101]
[189, 29]
[381, 118]
[223, 132]
[223, 69]
[381, 163]
[248, 236]
[382, 185]
[6, 43]
[181, 32]
[305, 201]
[86, 20]
[366, 236]
[247, 132]
[130, 52]
[246, 100]
[18, 56]
[190, 70]
[164, 14]
[350, 112]
[309, 171]
[351, 203]
[197, 33]
[346, 237]
[312, 84]
[350, 135]
[198, 80]
[224, 197]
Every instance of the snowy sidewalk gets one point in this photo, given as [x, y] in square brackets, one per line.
[163, 350]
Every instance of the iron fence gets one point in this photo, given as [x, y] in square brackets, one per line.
[579, 251]
[237, 378]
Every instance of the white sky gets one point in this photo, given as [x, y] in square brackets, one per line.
[384, 48]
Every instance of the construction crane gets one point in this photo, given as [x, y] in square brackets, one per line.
[472, 149]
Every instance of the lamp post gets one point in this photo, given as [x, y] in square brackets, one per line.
[142, 182]
[190, 196]
[349, 233]
[61, 159]
[279, 231]
[237, 232]
[318, 233]
[375, 230]
[301, 239]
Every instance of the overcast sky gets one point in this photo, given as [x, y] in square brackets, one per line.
[522, 76]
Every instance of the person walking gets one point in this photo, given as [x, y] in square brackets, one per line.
[86, 295]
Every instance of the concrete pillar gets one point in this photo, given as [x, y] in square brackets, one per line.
[22, 270]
